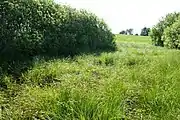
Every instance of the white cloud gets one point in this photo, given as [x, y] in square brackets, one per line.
[123, 14]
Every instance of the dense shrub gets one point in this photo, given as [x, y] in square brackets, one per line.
[172, 36]
[158, 30]
[42, 27]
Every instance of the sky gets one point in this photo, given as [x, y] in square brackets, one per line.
[124, 14]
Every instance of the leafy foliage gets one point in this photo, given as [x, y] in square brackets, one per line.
[172, 36]
[42, 27]
[158, 30]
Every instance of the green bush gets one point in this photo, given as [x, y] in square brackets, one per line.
[41, 27]
[172, 36]
[158, 30]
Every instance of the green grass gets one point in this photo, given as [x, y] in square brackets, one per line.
[133, 39]
[137, 82]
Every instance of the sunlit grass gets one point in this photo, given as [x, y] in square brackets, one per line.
[139, 81]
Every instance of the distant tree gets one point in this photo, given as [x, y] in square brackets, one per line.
[130, 31]
[145, 31]
[123, 32]
[136, 34]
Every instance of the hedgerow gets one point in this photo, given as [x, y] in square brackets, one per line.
[43, 28]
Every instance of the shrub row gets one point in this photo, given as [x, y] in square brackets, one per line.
[166, 32]
[41, 27]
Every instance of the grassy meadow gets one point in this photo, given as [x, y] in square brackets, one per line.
[137, 82]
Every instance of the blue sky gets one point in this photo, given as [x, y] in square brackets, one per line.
[123, 14]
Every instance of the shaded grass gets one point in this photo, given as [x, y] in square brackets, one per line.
[136, 82]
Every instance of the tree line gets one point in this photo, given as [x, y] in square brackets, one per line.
[144, 32]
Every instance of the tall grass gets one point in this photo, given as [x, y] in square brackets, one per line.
[136, 82]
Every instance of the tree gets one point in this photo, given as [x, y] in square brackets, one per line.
[145, 31]
[123, 32]
[158, 30]
[172, 36]
[129, 31]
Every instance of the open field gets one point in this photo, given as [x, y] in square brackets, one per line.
[138, 81]
[133, 39]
